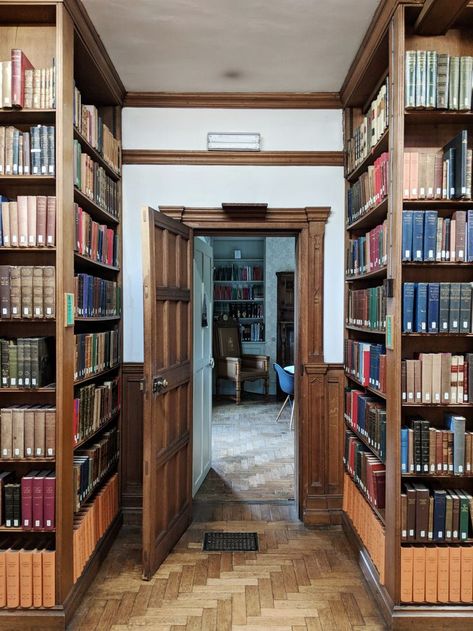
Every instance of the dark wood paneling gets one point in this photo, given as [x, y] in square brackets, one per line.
[232, 100]
[437, 16]
[132, 443]
[254, 158]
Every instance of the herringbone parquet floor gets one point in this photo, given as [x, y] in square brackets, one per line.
[300, 580]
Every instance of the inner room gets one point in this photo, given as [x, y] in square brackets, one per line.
[247, 316]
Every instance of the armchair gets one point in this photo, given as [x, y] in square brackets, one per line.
[230, 362]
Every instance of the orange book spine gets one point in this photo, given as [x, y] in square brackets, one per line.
[407, 568]
[26, 578]
[431, 566]
[455, 574]
[3, 580]
[12, 558]
[37, 579]
[418, 574]
[49, 577]
[466, 587]
[443, 573]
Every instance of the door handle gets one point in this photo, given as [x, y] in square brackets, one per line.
[159, 384]
[212, 362]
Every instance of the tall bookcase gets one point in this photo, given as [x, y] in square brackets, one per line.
[375, 533]
[61, 30]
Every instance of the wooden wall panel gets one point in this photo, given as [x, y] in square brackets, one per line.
[132, 443]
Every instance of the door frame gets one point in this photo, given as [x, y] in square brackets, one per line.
[318, 385]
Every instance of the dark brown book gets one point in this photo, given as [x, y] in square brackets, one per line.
[29, 432]
[40, 431]
[38, 305]
[15, 292]
[403, 517]
[49, 291]
[411, 511]
[18, 446]
[51, 222]
[26, 273]
[6, 432]
[448, 517]
[50, 431]
[422, 512]
[455, 516]
[460, 229]
[5, 307]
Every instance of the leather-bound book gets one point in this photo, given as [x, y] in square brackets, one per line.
[5, 363]
[3, 580]
[446, 368]
[403, 517]
[455, 574]
[51, 222]
[49, 291]
[13, 364]
[430, 531]
[418, 574]
[26, 344]
[439, 514]
[432, 450]
[431, 574]
[19, 63]
[14, 224]
[6, 224]
[5, 307]
[38, 292]
[41, 220]
[438, 451]
[411, 511]
[448, 516]
[31, 206]
[5, 476]
[443, 574]
[50, 431]
[37, 579]
[18, 445]
[38, 500]
[39, 431]
[29, 431]
[12, 562]
[6, 432]
[466, 585]
[26, 274]
[422, 512]
[407, 566]
[27, 500]
[15, 291]
[26, 576]
[50, 501]
[455, 516]
[21, 362]
[417, 380]
[22, 206]
[49, 577]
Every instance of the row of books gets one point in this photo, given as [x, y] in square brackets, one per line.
[428, 450]
[367, 417]
[91, 523]
[26, 362]
[253, 332]
[27, 291]
[238, 272]
[24, 86]
[435, 80]
[238, 292]
[437, 574]
[367, 308]
[28, 502]
[30, 152]
[370, 130]
[28, 221]
[436, 307]
[369, 252]
[89, 123]
[93, 406]
[444, 174]
[28, 431]
[365, 522]
[435, 514]
[27, 574]
[96, 241]
[238, 310]
[368, 472]
[92, 464]
[96, 352]
[96, 297]
[370, 189]
[92, 180]
[428, 237]
[367, 363]
[437, 379]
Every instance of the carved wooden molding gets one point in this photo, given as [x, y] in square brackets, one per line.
[253, 158]
[232, 100]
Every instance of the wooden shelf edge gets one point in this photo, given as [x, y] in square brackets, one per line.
[362, 329]
[97, 212]
[367, 216]
[377, 273]
[364, 440]
[376, 151]
[96, 155]
[95, 375]
[85, 440]
[81, 258]
[92, 567]
[368, 388]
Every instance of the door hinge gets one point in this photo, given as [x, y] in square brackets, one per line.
[142, 384]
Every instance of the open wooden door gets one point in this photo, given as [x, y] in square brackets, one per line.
[167, 428]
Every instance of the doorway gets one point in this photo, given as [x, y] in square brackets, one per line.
[244, 451]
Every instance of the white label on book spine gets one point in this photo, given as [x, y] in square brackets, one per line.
[17, 451]
[39, 451]
[40, 238]
[29, 451]
[13, 381]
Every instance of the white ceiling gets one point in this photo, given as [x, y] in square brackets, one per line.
[231, 45]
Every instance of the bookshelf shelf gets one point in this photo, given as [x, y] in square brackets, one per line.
[406, 404]
[100, 429]
[95, 375]
[378, 273]
[437, 204]
[362, 329]
[45, 180]
[363, 439]
[23, 251]
[46, 389]
[85, 263]
[238, 282]
[97, 212]
[38, 460]
[429, 335]
[377, 150]
[83, 320]
[380, 513]
[27, 531]
[438, 117]
[371, 217]
[368, 388]
[96, 155]
[27, 117]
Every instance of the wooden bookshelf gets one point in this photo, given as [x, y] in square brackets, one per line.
[45, 31]
[429, 129]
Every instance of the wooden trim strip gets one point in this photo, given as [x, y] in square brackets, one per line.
[437, 16]
[233, 100]
[255, 158]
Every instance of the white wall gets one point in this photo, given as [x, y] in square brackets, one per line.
[209, 186]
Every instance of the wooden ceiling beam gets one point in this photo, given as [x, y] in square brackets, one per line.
[437, 16]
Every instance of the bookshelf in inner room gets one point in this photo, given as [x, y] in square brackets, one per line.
[408, 497]
[60, 318]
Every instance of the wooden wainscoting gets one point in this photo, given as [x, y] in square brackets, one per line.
[132, 443]
[322, 455]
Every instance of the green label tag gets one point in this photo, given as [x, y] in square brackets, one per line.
[389, 332]
[69, 309]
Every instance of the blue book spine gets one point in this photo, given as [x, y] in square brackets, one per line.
[407, 223]
[404, 450]
[361, 414]
[433, 308]
[408, 293]
[439, 515]
[418, 235]
[469, 236]
[430, 235]
[421, 308]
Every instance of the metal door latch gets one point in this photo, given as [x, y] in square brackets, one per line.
[159, 384]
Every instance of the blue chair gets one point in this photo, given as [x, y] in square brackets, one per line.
[286, 383]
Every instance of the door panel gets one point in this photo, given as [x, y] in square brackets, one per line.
[202, 363]
[167, 404]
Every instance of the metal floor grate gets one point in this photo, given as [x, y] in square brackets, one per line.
[230, 542]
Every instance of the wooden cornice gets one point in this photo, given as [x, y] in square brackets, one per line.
[94, 44]
[255, 158]
[437, 16]
[234, 100]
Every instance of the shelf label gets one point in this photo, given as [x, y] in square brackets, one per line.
[389, 332]
[68, 309]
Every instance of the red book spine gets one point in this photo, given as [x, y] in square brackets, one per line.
[110, 246]
[20, 62]
[27, 502]
[38, 507]
[50, 502]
